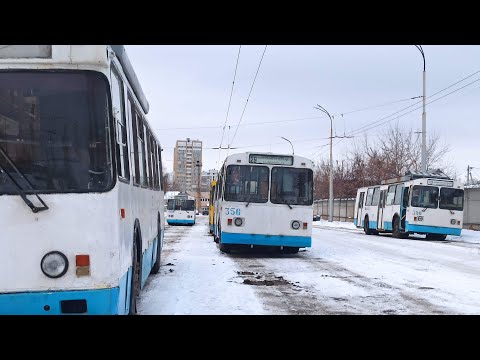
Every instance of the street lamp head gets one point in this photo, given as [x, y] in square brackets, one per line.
[419, 47]
[293, 151]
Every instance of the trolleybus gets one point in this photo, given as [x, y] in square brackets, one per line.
[81, 200]
[264, 199]
[422, 203]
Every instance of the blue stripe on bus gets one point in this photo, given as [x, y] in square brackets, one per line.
[432, 229]
[387, 225]
[271, 240]
[180, 221]
[355, 222]
[99, 302]
[372, 224]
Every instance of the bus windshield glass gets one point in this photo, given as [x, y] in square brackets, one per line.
[292, 186]
[247, 183]
[451, 199]
[425, 196]
[54, 127]
[181, 204]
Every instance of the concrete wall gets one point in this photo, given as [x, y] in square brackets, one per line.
[342, 209]
[471, 214]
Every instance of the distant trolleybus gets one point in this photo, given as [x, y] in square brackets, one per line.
[422, 203]
[211, 207]
[81, 201]
[264, 199]
[181, 210]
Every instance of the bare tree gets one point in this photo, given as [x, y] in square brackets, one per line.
[389, 155]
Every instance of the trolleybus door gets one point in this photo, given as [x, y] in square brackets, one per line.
[360, 209]
[381, 206]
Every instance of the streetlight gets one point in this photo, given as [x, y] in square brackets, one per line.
[424, 116]
[293, 151]
[330, 198]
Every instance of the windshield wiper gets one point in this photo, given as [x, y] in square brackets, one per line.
[20, 191]
[284, 201]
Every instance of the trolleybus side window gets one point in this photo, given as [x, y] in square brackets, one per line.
[369, 197]
[360, 200]
[142, 150]
[376, 196]
[153, 150]
[160, 169]
[148, 158]
[118, 105]
[391, 195]
[398, 195]
[136, 160]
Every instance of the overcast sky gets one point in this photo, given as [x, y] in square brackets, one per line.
[189, 87]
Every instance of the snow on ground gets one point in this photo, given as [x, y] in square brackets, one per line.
[344, 272]
[469, 236]
[195, 278]
[444, 273]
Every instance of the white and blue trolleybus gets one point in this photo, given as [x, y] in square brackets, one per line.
[81, 200]
[264, 199]
[422, 203]
[181, 210]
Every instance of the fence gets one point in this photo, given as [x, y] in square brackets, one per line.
[342, 209]
[471, 214]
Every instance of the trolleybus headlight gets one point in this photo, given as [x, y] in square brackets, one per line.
[296, 225]
[238, 221]
[54, 264]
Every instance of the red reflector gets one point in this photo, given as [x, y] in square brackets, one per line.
[458, 223]
[122, 213]
[82, 260]
[414, 218]
[305, 225]
[229, 221]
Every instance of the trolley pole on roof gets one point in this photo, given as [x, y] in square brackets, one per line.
[330, 197]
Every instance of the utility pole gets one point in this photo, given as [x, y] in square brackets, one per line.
[199, 185]
[424, 116]
[330, 197]
[469, 175]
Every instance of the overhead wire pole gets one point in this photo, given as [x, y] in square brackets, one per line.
[424, 116]
[330, 197]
